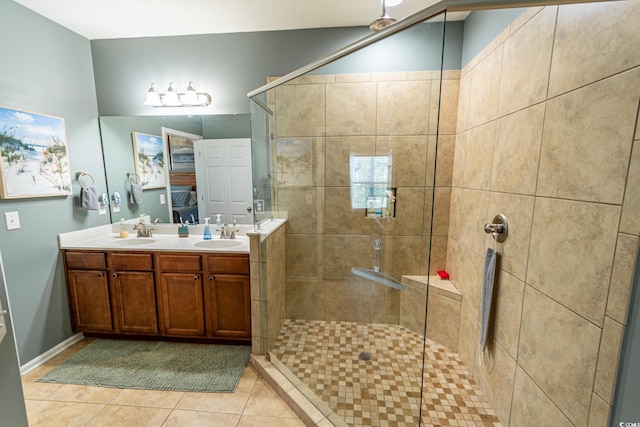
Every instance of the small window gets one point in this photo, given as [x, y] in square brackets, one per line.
[370, 178]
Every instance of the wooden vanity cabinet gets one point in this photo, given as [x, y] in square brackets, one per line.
[202, 296]
[88, 290]
[228, 297]
[181, 295]
[134, 292]
[112, 292]
[90, 302]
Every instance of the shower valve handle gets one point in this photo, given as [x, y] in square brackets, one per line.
[494, 228]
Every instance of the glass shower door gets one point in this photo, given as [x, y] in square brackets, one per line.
[351, 165]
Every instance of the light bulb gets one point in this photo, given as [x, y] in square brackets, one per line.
[171, 97]
[153, 98]
[190, 97]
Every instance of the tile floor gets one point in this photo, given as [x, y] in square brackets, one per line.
[385, 388]
[254, 403]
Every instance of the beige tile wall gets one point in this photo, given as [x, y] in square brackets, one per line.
[319, 122]
[267, 257]
[547, 118]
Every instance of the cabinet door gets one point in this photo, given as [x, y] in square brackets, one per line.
[229, 306]
[90, 302]
[182, 304]
[135, 299]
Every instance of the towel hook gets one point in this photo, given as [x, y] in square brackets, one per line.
[499, 228]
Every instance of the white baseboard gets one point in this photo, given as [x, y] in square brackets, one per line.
[34, 363]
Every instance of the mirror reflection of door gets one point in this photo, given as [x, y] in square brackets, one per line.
[223, 178]
[182, 190]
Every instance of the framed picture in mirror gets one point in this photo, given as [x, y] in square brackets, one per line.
[149, 153]
[180, 149]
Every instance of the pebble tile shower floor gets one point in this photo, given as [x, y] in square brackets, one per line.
[385, 390]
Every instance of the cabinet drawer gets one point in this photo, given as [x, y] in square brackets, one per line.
[85, 260]
[232, 264]
[131, 261]
[179, 262]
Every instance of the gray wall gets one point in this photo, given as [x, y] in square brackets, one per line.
[46, 69]
[228, 66]
[11, 401]
[399, 52]
[482, 26]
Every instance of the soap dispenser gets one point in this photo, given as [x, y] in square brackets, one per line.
[123, 229]
[218, 220]
[207, 230]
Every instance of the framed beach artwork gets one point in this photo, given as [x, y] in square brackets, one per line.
[150, 156]
[180, 149]
[34, 160]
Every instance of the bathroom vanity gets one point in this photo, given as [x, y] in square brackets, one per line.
[165, 287]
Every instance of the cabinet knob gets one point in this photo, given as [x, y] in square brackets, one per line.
[100, 274]
[211, 278]
[115, 275]
[195, 277]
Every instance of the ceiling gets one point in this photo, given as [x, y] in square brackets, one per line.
[108, 19]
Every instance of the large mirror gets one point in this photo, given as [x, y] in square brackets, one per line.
[120, 161]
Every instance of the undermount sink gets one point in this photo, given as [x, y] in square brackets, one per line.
[219, 243]
[133, 241]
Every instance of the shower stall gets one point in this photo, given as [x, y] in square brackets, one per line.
[348, 157]
[357, 156]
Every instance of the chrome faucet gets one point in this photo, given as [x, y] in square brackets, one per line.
[157, 220]
[143, 229]
[226, 232]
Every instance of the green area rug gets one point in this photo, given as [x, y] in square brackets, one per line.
[154, 365]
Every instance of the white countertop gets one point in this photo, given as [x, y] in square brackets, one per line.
[161, 242]
[164, 238]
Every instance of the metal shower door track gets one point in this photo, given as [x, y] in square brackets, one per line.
[431, 11]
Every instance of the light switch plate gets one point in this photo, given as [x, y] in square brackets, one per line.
[12, 220]
[162, 199]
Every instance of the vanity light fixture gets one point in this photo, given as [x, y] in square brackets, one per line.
[172, 98]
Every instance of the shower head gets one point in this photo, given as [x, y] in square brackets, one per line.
[384, 21]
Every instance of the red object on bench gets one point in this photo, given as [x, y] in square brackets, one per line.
[443, 275]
